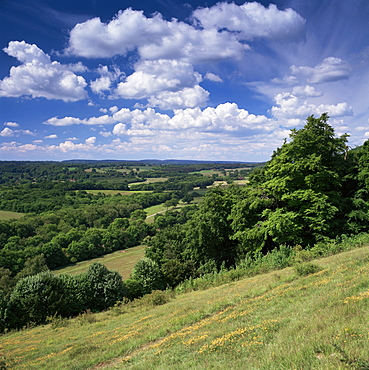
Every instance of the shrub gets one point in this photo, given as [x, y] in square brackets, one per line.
[147, 272]
[304, 269]
[278, 258]
[133, 289]
[155, 298]
[103, 288]
[33, 299]
[87, 317]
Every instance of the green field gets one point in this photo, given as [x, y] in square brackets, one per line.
[5, 215]
[150, 181]
[121, 261]
[155, 209]
[159, 208]
[281, 320]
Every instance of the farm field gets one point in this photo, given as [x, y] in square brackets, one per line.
[120, 261]
[159, 208]
[150, 181]
[6, 215]
[274, 321]
[151, 211]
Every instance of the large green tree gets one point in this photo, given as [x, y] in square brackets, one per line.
[299, 193]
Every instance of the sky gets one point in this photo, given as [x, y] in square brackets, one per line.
[168, 79]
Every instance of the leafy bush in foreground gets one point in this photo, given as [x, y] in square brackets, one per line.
[38, 297]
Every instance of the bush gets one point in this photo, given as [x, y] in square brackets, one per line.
[278, 258]
[33, 299]
[103, 288]
[155, 298]
[147, 272]
[304, 269]
[43, 297]
[133, 289]
[87, 317]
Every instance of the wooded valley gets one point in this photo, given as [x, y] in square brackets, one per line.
[217, 216]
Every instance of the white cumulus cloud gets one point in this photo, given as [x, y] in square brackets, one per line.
[154, 38]
[252, 20]
[306, 91]
[7, 132]
[189, 97]
[151, 77]
[331, 69]
[91, 140]
[212, 77]
[38, 76]
[106, 79]
[11, 124]
[291, 110]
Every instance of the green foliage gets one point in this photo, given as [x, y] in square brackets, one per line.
[147, 272]
[304, 269]
[86, 318]
[134, 289]
[155, 298]
[300, 190]
[208, 233]
[33, 266]
[102, 288]
[39, 298]
[33, 299]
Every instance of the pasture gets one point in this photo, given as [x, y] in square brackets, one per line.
[120, 261]
[150, 181]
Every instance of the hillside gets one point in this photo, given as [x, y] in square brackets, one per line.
[280, 320]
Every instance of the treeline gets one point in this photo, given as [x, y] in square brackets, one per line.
[183, 183]
[181, 169]
[313, 189]
[104, 172]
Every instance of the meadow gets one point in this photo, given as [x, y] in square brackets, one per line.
[150, 180]
[120, 261]
[311, 316]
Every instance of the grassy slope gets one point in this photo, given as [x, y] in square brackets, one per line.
[272, 321]
[121, 261]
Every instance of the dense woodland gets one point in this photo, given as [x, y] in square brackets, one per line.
[313, 189]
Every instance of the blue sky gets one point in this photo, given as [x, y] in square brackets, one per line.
[165, 79]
